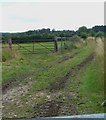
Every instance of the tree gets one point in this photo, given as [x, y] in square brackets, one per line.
[82, 29]
[83, 32]
[100, 34]
[83, 35]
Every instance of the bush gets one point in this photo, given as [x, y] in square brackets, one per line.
[73, 43]
[75, 38]
[83, 35]
[100, 34]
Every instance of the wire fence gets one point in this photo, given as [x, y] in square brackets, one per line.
[55, 45]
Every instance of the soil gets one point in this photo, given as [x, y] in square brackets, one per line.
[59, 100]
[16, 80]
[62, 104]
[47, 109]
[69, 57]
[60, 83]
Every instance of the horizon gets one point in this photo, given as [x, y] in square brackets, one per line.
[51, 29]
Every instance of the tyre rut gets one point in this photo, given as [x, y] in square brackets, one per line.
[61, 105]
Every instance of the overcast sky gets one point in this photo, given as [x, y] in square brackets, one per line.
[24, 16]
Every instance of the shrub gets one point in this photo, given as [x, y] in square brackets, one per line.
[83, 35]
[100, 34]
[73, 43]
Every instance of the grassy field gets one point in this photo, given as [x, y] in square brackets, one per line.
[46, 83]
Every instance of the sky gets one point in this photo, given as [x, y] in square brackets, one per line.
[24, 16]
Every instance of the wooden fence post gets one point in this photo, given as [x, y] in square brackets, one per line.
[10, 43]
[33, 47]
[61, 44]
[55, 44]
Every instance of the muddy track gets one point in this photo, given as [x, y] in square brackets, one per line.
[47, 109]
[69, 57]
[61, 105]
[54, 107]
[66, 58]
[60, 83]
[16, 80]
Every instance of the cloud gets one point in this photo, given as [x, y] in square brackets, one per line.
[52, 1]
[23, 16]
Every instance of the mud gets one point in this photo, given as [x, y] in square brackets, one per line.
[14, 82]
[47, 109]
[69, 57]
[64, 105]
[60, 83]
[61, 104]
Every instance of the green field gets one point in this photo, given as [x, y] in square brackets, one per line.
[41, 82]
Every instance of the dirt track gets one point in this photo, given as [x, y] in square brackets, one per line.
[60, 101]
[60, 83]
[61, 104]
[16, 80]
[69, 57]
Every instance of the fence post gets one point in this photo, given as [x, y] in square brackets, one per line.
[55, 44]
[10, 43]
[61, 44]
[33, 46]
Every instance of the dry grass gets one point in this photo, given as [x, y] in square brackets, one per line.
[92, 79]
[100, 52]
[99, 59]
[78, 44]
[90, 41]
[8, 54]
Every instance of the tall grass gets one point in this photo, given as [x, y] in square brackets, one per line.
[97, 66]
[8, 54]
[99, 59]
[92, 80]
[100, 51]
[74, 43]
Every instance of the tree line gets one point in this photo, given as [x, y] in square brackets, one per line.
[47, 35]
